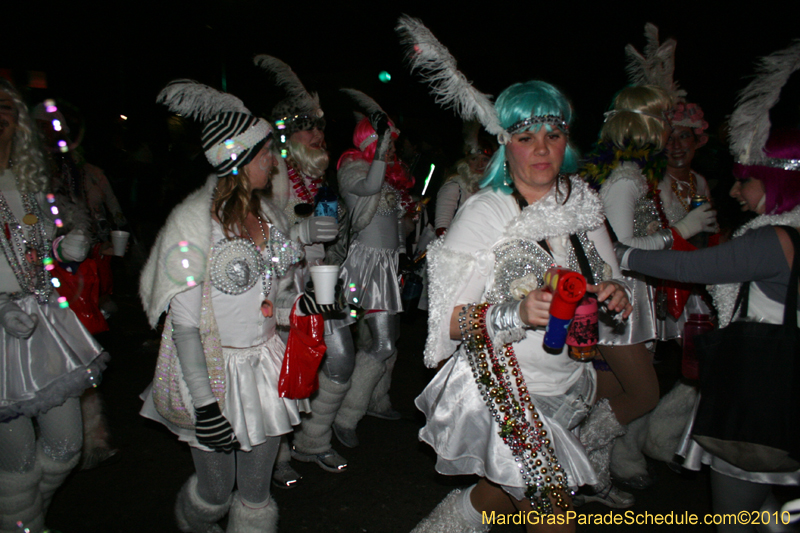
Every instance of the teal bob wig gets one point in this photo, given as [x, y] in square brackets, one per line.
[521, 101]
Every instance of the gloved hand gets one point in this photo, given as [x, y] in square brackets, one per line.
[307, 304]
[213, 430]
[380, 123]
[74, 246]
[316, 229]
[622, 251]
[15, 321]
[703, 218]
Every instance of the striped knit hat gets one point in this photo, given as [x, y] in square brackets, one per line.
[232, 139]
[232, 136]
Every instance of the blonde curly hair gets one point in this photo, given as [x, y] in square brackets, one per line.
[27, 157]
[639, 117]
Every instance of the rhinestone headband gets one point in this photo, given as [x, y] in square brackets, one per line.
[785, 164]
[554, 120]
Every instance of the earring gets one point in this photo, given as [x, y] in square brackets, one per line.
[506, 181]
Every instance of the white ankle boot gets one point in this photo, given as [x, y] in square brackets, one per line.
[245, 519]
[454, 514]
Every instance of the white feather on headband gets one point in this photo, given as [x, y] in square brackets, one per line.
[749, 123]
[285, 77]
[195, 100]
[656, 66]
[438, 69]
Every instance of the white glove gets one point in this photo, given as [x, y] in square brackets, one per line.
[74, 247]
[316, 229]
[15, 321]
[703, 218]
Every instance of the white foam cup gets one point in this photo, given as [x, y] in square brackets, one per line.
[120, 240]
[325, 278]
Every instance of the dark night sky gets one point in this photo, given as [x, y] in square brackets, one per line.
[115, 60]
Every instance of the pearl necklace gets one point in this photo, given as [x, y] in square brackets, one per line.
[528, 441]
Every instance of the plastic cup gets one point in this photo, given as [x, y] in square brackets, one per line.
[325, 278]
[120, 240]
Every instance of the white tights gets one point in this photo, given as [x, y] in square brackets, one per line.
[251, 472]
[61, 437]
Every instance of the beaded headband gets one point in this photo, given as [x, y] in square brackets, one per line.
[554, 120]
[785, 164]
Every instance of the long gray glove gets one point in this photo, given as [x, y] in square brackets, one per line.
[316, 229]
[74, 246]
[212, 429]
[15, 321]
[702, 218]
[380, 123]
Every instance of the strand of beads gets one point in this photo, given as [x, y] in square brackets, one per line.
[528, 442]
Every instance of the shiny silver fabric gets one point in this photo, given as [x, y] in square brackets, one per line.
[384, 328]
[370, 278]
[340, 357]
[59, 360]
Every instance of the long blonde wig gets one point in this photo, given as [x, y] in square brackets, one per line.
[638, 117]
[27, 158]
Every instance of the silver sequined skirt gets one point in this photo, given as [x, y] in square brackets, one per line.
[58, 361]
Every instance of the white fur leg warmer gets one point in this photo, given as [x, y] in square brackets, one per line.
[454, 514]
[668, 422]
[246, 519]
[627, 459]
[21, 501]
[365, 376]
[53, 475]
[195, 515]
[598, 432]
[314, 435]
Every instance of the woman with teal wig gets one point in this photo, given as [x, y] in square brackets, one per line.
[502, 407]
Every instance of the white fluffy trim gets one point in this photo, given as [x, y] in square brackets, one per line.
[626, 170]
[547, 218]
[447, 270]
[725, 295]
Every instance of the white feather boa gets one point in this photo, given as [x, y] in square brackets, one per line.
[190, 221]
[724, 295]
[449, 269]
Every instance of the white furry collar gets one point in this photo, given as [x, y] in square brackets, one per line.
[626, 170]
[725, 295]
[468, 183]
[547, 218]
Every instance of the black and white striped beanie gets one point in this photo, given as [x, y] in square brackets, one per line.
[231, 140]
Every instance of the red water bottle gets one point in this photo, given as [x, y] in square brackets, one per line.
[696, 325]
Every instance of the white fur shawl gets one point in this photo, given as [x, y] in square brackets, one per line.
[189, 222]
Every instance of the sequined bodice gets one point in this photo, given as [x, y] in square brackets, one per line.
[521, 264]
[645, 217]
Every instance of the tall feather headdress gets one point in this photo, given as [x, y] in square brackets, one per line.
[656, 66]
[231, 136]
[749, 123]
[366, 102]
[297, 95]
[192, 99]
[438, 68]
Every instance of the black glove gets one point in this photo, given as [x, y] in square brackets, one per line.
[380, 122]
[308, 304]
[213, 430]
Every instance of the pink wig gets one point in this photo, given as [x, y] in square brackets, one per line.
[396, 173]
[782, 187]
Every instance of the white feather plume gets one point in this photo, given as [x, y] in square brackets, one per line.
[195, 100]
[438, 68]
[285, 77]
[750, 123]
[366, 102]
[656, 66]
